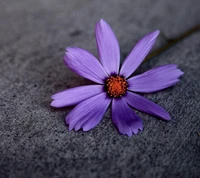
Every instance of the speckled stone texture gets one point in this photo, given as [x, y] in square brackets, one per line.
[34, 140]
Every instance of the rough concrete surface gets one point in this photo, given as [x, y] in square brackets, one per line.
[34, 140]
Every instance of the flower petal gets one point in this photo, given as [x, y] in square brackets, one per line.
[124, 117]
[75, 95]
[155, 79]
[138, 54]
[88, 113]
[108, 47]
[145, 105]
[85, 64]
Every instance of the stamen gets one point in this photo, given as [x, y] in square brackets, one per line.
[116, 86]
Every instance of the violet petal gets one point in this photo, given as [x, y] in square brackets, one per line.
[88, 113]
[145, 105]
[124, 117]
[138, 54]
[155, 79]
[108, 47]
[85, 64]
[75, 95]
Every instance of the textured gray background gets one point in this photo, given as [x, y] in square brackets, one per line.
[34, 141]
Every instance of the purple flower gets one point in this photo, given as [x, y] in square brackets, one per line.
[114, 85]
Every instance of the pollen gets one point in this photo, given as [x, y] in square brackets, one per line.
[116, 86]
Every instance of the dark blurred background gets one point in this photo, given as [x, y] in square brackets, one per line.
[34, 140]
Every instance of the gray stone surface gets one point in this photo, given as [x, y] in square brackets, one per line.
[34, 141]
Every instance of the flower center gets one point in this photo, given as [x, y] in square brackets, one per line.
[116, 86]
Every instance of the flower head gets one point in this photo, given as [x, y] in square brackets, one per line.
[114, 85]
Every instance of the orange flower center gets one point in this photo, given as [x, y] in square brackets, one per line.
[116, 86]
